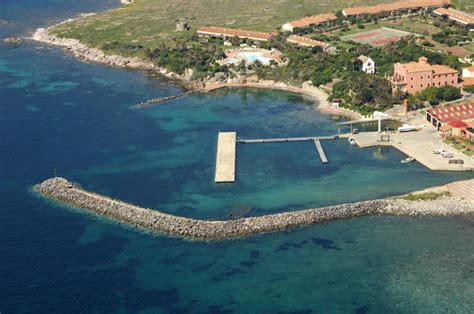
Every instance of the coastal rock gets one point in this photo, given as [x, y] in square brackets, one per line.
[13, 40]
[87, 53]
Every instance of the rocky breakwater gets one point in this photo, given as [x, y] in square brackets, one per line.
[62, 190]
[160, 100]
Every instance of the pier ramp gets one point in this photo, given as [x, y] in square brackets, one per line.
[225, 159]
[321, 152]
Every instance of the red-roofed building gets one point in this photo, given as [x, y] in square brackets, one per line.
[455, 116]
[309, 21]
[308, 42]
[458, 124]
[223, 32]
[458, 16]
[395, 7]
[469, 81]
[468, 72]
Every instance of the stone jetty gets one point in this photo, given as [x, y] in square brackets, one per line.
[65, 191]
[160, 100]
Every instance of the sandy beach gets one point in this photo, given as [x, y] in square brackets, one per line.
[324, 105]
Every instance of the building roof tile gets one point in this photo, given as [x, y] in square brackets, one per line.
[314, 20]
[448, 114]
[468, 81]
[457, 15]
[305, 41]
[395, 6]
[224, 31]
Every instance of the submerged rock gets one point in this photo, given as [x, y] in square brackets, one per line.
[13, 40]
[240, 211]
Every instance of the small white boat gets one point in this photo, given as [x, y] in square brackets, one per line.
[407, 128]
[352, 141]
[447, 155]
[407, 160]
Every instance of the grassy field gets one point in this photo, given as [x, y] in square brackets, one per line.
[467, 5]
[151, 22]
[414, 25]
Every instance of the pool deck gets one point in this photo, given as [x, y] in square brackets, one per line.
[420, 145]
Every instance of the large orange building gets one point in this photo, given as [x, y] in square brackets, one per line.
[416, 76]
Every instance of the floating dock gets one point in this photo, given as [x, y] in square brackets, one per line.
[321, 152]
[225, 160]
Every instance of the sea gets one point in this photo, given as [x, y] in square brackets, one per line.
[62, 116]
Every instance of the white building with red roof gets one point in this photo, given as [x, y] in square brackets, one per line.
[395, 7]
[309, 21]
[458, 16]
[224, 32]
[308, 42]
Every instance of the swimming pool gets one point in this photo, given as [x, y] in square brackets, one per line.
[251, 57]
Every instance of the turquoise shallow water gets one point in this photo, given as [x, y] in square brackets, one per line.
[60, 113]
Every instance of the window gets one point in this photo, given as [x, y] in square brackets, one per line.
[422, 77]
[452, 82]
[412, 86]
[439, 83]
[428, 84]
[421, 85]
[412, 78]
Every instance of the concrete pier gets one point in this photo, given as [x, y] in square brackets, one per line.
[225, 160]
[321, 152]
[419, 145]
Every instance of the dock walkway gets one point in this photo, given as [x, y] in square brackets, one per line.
[285, 139]
[321, 152]
[225, 160]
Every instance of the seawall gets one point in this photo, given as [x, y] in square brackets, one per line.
[62, 190]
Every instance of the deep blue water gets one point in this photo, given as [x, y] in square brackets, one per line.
[58, 113]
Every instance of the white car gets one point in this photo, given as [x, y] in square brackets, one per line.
[439, 151]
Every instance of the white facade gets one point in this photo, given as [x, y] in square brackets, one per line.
[287, 27]
[368, 65]
[468, 72]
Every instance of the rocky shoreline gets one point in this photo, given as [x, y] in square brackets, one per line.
[64, 191]
[96, 55]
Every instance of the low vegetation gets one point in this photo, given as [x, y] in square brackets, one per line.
[152, 22]
[451, 33]
[147, 29]
[435, 95]
[428, 196]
